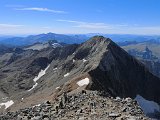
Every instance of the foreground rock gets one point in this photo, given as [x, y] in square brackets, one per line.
[84, 105]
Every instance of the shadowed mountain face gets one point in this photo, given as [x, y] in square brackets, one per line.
[105, 65]
[5, 49]
[124, 76]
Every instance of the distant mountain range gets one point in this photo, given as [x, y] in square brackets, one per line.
[19, 41]
[71, 38]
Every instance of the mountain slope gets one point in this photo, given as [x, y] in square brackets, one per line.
[124, 75]
[97, 64]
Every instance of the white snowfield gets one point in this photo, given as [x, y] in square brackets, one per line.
[66, 74]
[83, 82]
[41, 73]
[36, 105]
[84, 60]
[147, 106]
[35, 85]
[73, 53]
[57, 88]
[55, 69]
[54, 45]
[7, 104]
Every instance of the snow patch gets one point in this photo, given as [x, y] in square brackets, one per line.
[35, 85]
[41, 73]
[147, 106]
[36, 105]
[84, 60]
[54, 45]
[83, 82]
[73, 53]
[57, 88]
[7, 104]
[55, 69]
[73, 60]
[66, 74]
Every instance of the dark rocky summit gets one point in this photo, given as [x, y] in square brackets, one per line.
[123, 75]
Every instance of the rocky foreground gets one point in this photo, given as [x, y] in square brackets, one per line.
[84, 105]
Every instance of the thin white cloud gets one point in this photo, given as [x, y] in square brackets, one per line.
[88, 25]
[113, 28]
[71, 21]
[41, 10]
[91, 25]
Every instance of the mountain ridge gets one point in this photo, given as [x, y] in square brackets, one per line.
[105, 65]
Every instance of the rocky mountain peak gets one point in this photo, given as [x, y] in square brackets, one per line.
[98, 39]
[98, 64]
[95, 46]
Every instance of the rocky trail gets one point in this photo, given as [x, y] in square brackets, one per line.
[84, 105]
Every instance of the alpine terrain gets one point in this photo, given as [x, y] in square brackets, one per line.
[93, 80]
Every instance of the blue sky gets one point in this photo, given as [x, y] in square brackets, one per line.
[79, 16]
